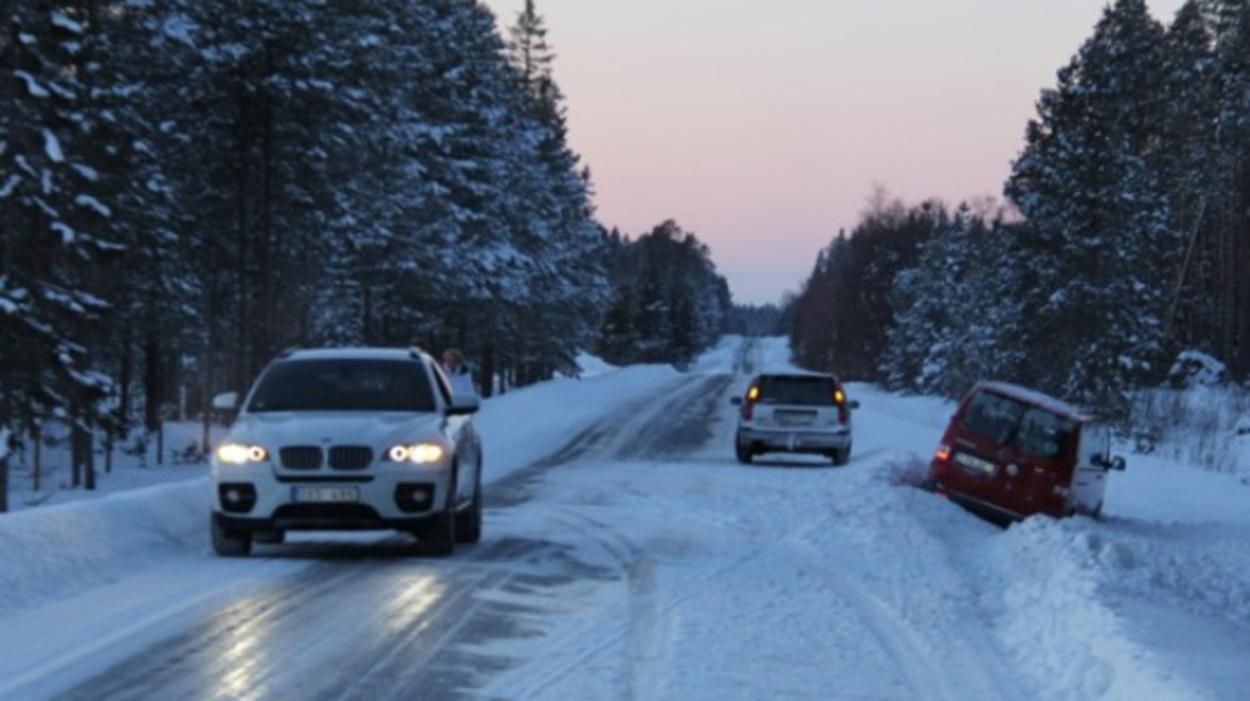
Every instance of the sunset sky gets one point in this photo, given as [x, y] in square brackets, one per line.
[762, 126]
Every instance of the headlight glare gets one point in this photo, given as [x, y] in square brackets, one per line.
[240, 454]
[417, 453]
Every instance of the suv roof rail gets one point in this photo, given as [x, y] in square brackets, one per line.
[288, 352]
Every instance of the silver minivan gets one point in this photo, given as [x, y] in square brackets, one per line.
[795, 413]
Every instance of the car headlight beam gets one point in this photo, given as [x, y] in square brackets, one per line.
[417, 453]
[241, 454]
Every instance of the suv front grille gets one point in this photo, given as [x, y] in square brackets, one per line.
[301, 457]
[350, 457]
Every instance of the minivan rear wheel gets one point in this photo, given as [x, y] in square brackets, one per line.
[744, 453]
[842, 456]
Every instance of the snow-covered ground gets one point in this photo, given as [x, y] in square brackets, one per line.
[647, 564]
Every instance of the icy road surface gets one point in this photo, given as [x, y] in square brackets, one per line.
[637, 560]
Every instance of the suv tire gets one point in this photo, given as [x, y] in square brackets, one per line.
[842, 456]
[228, 543]
[438, 536]
[469, 521]
[744, 453]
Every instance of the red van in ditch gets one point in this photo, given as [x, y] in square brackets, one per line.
[1010, 452]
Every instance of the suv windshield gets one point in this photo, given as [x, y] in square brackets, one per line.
[344, 385]
[804, 391]
[1034, 431]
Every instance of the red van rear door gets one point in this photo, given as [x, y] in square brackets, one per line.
[981, 449]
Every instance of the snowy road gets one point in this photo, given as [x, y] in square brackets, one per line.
[639, 561]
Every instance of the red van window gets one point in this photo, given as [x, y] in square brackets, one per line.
[1043, 434]
[1035, 432]
[993, 417]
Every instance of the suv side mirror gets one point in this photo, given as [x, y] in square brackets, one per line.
[853, 404]
[463, 405]
[736, 401]
[226, 401]
[1118, 464]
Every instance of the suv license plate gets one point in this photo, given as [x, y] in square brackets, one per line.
[325, 495]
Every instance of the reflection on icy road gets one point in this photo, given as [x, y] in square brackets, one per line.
[371, 621]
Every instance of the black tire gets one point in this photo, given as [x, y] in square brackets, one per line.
[743, 452]
[842, 456]
[438, 537]
[228, 543]
[469, 521]
[274, 537]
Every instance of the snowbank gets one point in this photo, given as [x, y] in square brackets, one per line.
[47, 553]
[529, 424]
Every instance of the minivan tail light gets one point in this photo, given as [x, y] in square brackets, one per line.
[844, 414]
[748, 407]
[943, 453]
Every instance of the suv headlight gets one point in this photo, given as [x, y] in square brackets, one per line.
[417, 453]
[241, 454]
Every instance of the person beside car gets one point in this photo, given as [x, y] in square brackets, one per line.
[458, 373]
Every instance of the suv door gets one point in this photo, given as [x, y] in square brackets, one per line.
[459, 430]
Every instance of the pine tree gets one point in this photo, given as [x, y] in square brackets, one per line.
[1099, 235]
[54, 248]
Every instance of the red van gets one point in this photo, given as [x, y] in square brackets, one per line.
[1011, 452]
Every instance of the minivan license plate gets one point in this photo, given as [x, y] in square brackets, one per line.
[325, 495]
[974, 462]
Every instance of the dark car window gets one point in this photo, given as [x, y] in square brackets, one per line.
[1043, 434]
[803, 391]
[344, 385]
[1034, 431]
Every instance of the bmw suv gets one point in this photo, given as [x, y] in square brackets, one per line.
[349, 440]
[795, 413]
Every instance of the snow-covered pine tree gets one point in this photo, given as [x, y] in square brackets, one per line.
[1232, 188]
[1098, 245]
[53, 222]
[1189, 147]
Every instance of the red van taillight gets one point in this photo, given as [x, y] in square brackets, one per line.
[943, 453]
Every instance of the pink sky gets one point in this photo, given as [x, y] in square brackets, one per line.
[762, 126]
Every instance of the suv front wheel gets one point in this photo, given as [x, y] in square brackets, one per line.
[228, 543]
[438, 537]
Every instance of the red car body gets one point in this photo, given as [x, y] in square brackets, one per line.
[1010, 453]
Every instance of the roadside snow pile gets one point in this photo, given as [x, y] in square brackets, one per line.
[592, 365]
[722, 359]
[54, 551]
[521, 427]
[1197, 369]
[1203, 425]
[1056, 621]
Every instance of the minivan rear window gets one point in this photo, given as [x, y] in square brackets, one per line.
[1034, 431]
[802, 391]
[344, 385]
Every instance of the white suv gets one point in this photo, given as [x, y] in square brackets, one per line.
[349, 439]
[795, 413]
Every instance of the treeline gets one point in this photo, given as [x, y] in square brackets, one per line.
[669, 302]
[189, 187]
[1129, 240]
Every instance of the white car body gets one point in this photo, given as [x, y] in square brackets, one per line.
[335, 470]
[771, 422]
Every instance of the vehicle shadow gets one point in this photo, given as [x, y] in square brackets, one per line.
[314, 546]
